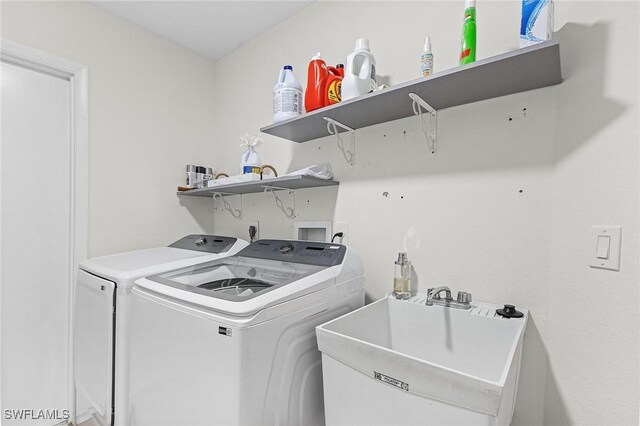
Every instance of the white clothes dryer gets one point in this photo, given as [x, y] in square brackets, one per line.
[102, 313]
[233, 341]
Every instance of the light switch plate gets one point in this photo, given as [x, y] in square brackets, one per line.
[601, 235]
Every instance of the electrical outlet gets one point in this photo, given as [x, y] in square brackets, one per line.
[257, 225]
[344, 228]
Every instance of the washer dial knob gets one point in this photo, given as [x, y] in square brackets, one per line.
[286, 248]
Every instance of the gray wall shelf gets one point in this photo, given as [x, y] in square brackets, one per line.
[520, 70]
[284, 182]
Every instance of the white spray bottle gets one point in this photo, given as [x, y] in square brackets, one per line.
[250, 161]
[426, 59]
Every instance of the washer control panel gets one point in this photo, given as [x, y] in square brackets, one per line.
[207, 243]
[307, 252]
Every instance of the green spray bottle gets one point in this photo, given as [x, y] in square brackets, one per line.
[468, 45]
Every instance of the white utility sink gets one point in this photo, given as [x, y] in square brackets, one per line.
[402, 362]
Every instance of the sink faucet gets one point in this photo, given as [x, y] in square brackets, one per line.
[463, 301]
[433, 292]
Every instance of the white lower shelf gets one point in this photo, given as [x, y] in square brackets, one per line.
[284, 182]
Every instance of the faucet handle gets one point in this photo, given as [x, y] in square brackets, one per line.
[464, 297]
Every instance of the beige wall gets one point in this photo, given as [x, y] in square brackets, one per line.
[460, 215]
[150, 113]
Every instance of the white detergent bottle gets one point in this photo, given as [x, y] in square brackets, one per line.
[360, 71]
[250, 161]
[287, 96]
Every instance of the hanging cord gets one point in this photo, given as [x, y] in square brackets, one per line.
[333, 129]
[288, 211]
[235, 213]
[431, 138]
[270, 167]
[337, 235]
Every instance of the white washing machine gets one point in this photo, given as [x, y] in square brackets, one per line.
[102, 315]
[233, 341]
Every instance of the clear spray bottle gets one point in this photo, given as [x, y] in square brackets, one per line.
[402, 277]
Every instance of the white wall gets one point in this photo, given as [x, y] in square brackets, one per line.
[593, 314]
[155, 107]
[151, 112]
[461, 215]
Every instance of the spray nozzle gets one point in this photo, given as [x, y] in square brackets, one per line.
[427, 44]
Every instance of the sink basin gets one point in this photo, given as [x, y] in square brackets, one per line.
[402, 362]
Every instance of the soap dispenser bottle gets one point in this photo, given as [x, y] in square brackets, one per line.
[402, 278]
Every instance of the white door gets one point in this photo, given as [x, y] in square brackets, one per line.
[37, 249]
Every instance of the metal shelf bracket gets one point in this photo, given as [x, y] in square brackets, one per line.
[332, 128]
[418, 105]
[288, 211]
[235, 213]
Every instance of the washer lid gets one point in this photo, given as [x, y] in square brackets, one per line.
[263, 274]
[236, 278]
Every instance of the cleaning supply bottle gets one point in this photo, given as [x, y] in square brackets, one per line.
[287, 96]
[360, 72]
[468, 45]
[314, 96]
[250, 161]
[402, 277]
[426, 59]
[333, 91]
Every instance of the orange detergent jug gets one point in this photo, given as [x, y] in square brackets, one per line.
[333, 92]
[315, 95]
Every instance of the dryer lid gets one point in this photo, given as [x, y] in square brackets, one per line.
[194, 245]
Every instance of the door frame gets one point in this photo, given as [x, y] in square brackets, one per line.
[77, 74]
